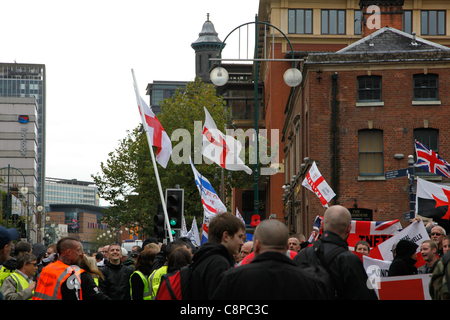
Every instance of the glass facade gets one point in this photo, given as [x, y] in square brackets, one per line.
[28, 80]
[160, 90]
[70, 192]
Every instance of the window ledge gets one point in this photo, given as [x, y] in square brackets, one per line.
[370, 104]
[426, 103]
[371, 178]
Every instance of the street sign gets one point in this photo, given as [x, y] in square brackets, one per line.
[396, 173]
[409, 215]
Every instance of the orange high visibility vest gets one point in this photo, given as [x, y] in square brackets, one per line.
[51, 278]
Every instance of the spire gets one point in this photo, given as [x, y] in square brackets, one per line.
[207, 46]
[208, 35]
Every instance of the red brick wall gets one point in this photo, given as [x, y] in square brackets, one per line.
[398, 118]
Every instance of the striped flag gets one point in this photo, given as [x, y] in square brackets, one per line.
[212, 204]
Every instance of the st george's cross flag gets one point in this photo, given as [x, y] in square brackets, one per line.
[432, 200]
[317, 184]
[429, 160]
[222, 149]
[157, 135]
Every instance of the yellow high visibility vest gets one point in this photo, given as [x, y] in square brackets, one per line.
[145, 280]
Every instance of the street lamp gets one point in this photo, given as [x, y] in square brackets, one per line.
[292, 77]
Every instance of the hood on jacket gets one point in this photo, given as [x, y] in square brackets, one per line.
[39, 250]
[10, 264]
[210, 248]
[405, 249]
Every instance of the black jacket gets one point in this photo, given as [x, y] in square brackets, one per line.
[403, 264]
[270, 276]
[89, 289]
[116, 284]
[209, 262]
[347, 270]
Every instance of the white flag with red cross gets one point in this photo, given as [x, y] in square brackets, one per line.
[222, 149]
[317, 184]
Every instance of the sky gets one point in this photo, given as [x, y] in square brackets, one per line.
[89, 49]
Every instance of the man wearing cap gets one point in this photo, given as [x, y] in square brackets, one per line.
[6, 238]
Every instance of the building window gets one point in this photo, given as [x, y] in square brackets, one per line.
[300, 21]
[370, 152]
[426, 87]
[358, 18]
[407, 21]
[432, 22]
[430, 138]
[369, 88]
[333, 21]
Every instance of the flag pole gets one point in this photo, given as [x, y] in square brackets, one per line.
[163, 202]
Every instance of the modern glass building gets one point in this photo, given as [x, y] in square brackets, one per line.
[62, 191]
[28, 80]
[160, 90]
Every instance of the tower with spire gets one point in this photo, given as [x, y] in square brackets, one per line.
[206, 46]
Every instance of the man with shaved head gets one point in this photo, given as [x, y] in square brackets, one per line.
[331, 251]
[271, 275]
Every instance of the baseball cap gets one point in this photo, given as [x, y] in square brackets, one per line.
[6, 235]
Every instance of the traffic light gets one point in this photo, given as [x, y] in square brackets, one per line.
[159, 229]
[175, 207]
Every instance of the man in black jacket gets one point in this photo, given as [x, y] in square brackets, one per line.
[226, 235]
[346, 269]
[271, 275]
[116, 284]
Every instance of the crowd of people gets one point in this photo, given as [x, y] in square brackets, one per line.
[274, 265]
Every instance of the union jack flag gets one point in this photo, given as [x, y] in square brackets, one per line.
[429, 160]
[373, 232]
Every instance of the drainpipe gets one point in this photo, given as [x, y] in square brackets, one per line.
[334, 77]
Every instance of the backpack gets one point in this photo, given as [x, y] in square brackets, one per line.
[318, 265]
[175, 285]
[439, 287]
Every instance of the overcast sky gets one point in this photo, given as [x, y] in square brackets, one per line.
[89, 49]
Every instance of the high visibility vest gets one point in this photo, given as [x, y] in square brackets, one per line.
[155, 280]
[145, 280]
[5, 273]
[22, 283]
[51, 279]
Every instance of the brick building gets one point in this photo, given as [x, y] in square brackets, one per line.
[390, 88]
[361, 118]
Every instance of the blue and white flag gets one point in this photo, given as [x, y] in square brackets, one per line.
[212, 204]
[193, 234]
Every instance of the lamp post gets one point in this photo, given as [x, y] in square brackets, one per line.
[292, 77]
